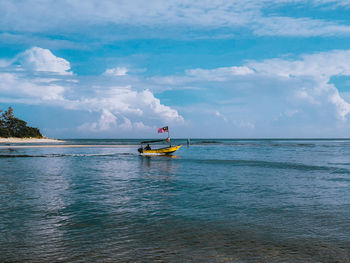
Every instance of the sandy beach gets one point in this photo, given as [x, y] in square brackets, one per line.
[51, 143]
[28, 140]
[68, 146]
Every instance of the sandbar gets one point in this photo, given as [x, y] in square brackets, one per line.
[69, 146]
[29, 140]
[33, 143]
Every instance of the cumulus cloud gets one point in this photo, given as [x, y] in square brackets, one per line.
[259, 91]
[119, 106]
[106, 122]
[127, 101]
[320, 67]
[40, 59]
[109, 122]
[248, 96]
[307, 78]
[155, 107]
[37, 59]
[343, 107]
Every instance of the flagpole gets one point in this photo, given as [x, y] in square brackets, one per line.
[169, 136]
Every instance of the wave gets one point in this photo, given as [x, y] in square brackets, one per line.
[254, 144]
[278, 165]
[339, 163]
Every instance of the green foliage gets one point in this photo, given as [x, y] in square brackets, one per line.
[10, 126]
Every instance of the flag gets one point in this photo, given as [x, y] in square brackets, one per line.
[162, 130]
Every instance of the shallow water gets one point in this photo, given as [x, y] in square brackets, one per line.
[216, 201]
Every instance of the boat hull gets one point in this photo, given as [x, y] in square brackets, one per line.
[161, 151]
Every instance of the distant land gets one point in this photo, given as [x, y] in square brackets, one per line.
[15, 130]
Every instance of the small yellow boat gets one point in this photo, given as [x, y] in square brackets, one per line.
[161, 151]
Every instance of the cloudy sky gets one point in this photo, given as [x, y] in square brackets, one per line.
[227, 69]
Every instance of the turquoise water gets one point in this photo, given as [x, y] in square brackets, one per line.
[216, 201]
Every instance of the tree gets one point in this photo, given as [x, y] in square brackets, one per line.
[10, 126]
[4, 132]
[7, 115]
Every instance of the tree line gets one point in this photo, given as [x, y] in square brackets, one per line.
[10, 126]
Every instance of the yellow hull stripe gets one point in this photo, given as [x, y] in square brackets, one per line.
[163, 150]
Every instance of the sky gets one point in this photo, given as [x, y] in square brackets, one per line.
[206, 69]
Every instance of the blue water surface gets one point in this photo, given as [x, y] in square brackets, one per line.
[215, 201]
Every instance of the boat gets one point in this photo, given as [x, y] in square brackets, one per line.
[147, 150]
[160, 151]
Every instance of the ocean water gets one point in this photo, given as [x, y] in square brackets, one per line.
[215, 201]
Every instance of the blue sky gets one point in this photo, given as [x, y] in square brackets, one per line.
[229, 69]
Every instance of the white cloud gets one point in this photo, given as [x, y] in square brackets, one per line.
[304, 94]
[109, 122]
[118, 71]
[218, 114]
[259, 16]
[320, 67]
[292, 80]
[128, 105]
[13, 85]
[141, 126]
[302, 27]
[106, 122]
[262, 88]
[155, 107]
[40, 59]
[219, 74]
[343, 107]
[120, 106]
[128, 102]
[334, 3]
[255, 93]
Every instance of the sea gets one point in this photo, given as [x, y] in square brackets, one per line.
[215, 200]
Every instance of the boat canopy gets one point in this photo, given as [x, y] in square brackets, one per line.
[153, 141]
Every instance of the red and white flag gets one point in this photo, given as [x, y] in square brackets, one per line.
[162, 130]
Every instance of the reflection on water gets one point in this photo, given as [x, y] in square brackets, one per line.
[261, 202]
[162, 165]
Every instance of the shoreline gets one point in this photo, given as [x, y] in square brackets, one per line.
[29, 140]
